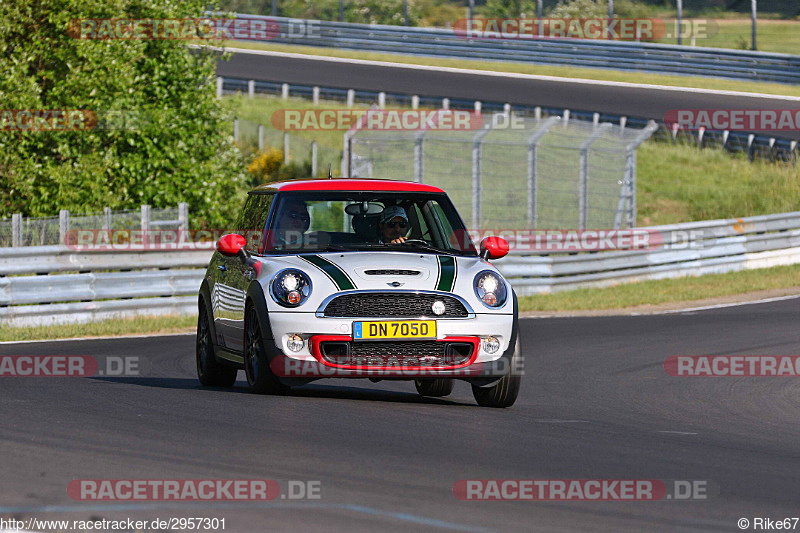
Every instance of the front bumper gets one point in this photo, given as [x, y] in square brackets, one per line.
[311, 362]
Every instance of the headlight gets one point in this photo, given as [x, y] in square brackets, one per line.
[490, 289]
[290, 287]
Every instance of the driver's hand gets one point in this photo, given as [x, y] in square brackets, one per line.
[398, 240]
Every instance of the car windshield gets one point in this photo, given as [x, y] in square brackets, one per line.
[360, 221]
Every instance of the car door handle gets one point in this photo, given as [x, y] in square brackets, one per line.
[222, 268]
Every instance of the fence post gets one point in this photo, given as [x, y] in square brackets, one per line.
[476, 174]
[566, 118]
[251, 88]
[419, 154]
[219, 86]
[314, 159]
[679, 29]
[382, 99]
[478, 107]
[285, 148]
[583, 184]
[183, 216]
[754, 16]
[107, 218]
[346, 153]
[351, 97]
[315, 95]
[16, 229]
[63, 226]
[236, 130]
[445, 103]
[415, 102]
[260, 138]
[145, 218]
[285, 91]
[533, 186]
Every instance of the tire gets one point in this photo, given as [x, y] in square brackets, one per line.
[503, 393]
[256, 363]
[210, 372]
[435, 388]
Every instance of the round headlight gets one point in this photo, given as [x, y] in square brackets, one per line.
[290, 287]
[490, 289]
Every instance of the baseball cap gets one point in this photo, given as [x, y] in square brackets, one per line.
[393, 211]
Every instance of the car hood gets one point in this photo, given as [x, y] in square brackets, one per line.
[336, 272]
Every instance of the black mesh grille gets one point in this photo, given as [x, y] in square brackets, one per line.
[392, 353]
[393, 305]
[388, 272]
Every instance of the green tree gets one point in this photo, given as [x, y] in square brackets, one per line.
[178, 148]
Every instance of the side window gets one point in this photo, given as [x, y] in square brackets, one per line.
[253, 219]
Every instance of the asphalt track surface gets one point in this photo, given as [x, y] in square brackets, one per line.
[596, 403]
[642, 102]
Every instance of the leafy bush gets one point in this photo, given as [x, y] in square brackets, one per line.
[268, 166]
[180, 149]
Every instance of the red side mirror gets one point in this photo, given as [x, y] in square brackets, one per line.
[494, 248]
[231, 244]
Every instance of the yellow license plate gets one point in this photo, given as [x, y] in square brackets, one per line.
[401, 329]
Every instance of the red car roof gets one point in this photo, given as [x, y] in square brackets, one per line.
[348, 184]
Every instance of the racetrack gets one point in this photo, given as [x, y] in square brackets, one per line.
[596, 403]
[609, 97]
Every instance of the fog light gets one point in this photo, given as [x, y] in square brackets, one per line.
[490, 298]
[293, 297]
[491, 344]
[295, 343]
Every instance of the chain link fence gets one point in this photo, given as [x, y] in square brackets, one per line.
[516, 172]
[25, 231]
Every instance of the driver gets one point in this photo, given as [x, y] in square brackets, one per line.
[393, 225]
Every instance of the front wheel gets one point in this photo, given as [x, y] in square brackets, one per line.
[256, 364]
[503, 393]
[210, 372]
[435, 388]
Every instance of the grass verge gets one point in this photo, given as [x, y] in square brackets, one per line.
[106, 328]
[542, 70]
[655, 292]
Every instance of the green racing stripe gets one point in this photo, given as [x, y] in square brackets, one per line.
[447, 273]
[336, 274]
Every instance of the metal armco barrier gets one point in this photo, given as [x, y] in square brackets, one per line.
[161, 282]
[631, 56]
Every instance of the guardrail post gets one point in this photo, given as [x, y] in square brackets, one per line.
[533, 187]
[251, 88]
[478, 107]
[419, 154]
[445, 103]
[623, 121]
[314, 158]
[566, 118]
[415, 102]
[183, 216]
[145, 218]
[725, 135]
[285, 91]
[315, 95]
[16, 229]
[751, 146]
[595, 119]
[583, 183]
[285, 148]
[107, 218]
[506, 109]
[700, 134]
[537, 113]
[351, 97]
[260, 138]
[63, 226]
[476, 174]
[382, 99]
[219, 86]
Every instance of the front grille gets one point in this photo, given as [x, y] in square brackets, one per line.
[391, 272]
[393, 305]
[393, 353]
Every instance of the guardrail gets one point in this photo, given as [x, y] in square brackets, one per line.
[776, 148]
[95, 285]
[630, 56]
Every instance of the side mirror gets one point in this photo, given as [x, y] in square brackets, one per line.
[231, 244]
[494, 248]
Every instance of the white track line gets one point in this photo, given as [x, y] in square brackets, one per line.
[514, 75]
[110, 337]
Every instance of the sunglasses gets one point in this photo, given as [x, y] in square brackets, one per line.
[302, 216]
[402, 224]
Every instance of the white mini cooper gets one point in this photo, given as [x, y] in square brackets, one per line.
[356, 278]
